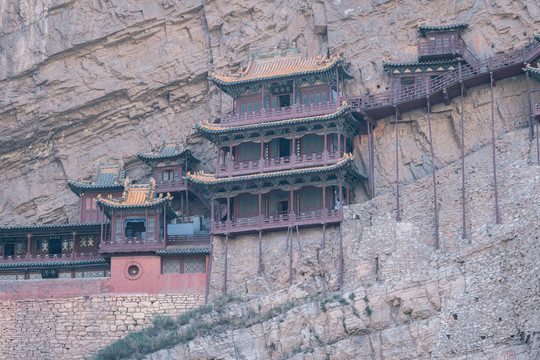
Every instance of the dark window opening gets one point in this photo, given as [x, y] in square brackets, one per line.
[283, 206]
[9, 249]
[284, 147]
[284, 100]
[405, 81]
[55, 245]
[135, 228]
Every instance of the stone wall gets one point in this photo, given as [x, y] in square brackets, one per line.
[77, 327]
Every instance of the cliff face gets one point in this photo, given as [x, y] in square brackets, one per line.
[82, 81]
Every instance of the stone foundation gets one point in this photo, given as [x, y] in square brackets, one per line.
[76, 328]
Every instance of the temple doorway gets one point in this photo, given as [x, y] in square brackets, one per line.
[285, 100]
[9, 249]
[55, 246]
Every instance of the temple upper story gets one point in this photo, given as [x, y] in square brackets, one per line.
[282, 84]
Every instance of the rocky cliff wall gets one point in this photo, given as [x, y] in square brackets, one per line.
[82, 81]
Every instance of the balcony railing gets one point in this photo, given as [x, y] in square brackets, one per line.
[276, 164]
[130, 244]
[49, 257]
[281, 220]
[171, 185]
[188, 240]
[287, 112]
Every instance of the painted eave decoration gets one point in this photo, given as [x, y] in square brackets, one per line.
[424, 29]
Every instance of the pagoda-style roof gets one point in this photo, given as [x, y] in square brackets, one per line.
[282, 62]
[424, 29]
[169, 150]
[533, 71]
[213, 131]
[274, 179]
[412, 67]
[107, 178]
[136, 196]
[49, 228]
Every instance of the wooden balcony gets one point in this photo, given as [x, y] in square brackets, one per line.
[47, 258]
[438, 47]
[279, 221]
[199, 240]
[277, 164]
[283, 113]
[131, 244]
[166, 186]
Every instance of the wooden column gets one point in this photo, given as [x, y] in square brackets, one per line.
[340, 257]
[182, 206]
[74, 241]
[337, 85]
[289, 236]
[398, 215]
[209, 269]
[28, 242]
[220, 105]
[291, 206]
[260, 209]
[325, 149]
[369, 160]
[463, 165]
[164, 224]
[228, 213]
[262, 102]
[339, 144]
[293, 102]
[261, 158]
[212, 215]
[230, 160]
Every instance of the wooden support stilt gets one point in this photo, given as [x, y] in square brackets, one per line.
[369, 161]
[436, 213]
[209, 270]
[225, 270]
[260, 252]
[446, 98]
[497, 217]
[289, 235]
[340, 257]
[298, 240]
[398, 216]
[323, 235]
[531, 127]
[464, 225]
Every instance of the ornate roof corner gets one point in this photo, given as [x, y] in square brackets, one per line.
[137, 196]
[169, 150]
[105, 178]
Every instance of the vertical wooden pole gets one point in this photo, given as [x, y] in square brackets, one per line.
[497, 217]
[260, 252]
[209, 270]
[298, 240]
[340, 257]
[369, 160]
[293, 102]
[398, 215]
[212, 217]
[464, 225]
[230, 160]
[433, 174]
[262, 99]
[337, 85]
[339, 144]
[74, 241]
[289, 236]
[225, 270]
[164, 223]
[531, 128]
[228, 213]
[323, 235]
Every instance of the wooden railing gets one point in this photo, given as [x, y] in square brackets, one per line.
[195, 239]
[277, 221]
[171, 185]
[439, 46]
[453, 77]
[276, 164]
[50, 257]
[130, 244]
[287, 112]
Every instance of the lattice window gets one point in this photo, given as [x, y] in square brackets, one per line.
[64, 275]
[194, 266]
[171, 266]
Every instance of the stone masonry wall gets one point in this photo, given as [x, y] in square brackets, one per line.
[77, 327]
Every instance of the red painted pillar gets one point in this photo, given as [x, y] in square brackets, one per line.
[230, 160]
[212, 215]
[228, 213]
[73, 247]
[28, 247]
[325, 149]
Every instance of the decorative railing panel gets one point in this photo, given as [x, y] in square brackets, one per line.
[283, 113]
[277, 164]
[129, 244]
[172, 185]
[277, 221]
[195, 239]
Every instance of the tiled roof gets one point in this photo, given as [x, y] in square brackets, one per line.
[210, 179]
[135, 196]
[205, 127]
[442, 28]
[167, 150]
[534, 72]
[106, 177]
[58, 263]
[390, 65]
[201, 251]
[49, 227]
[278, 63]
